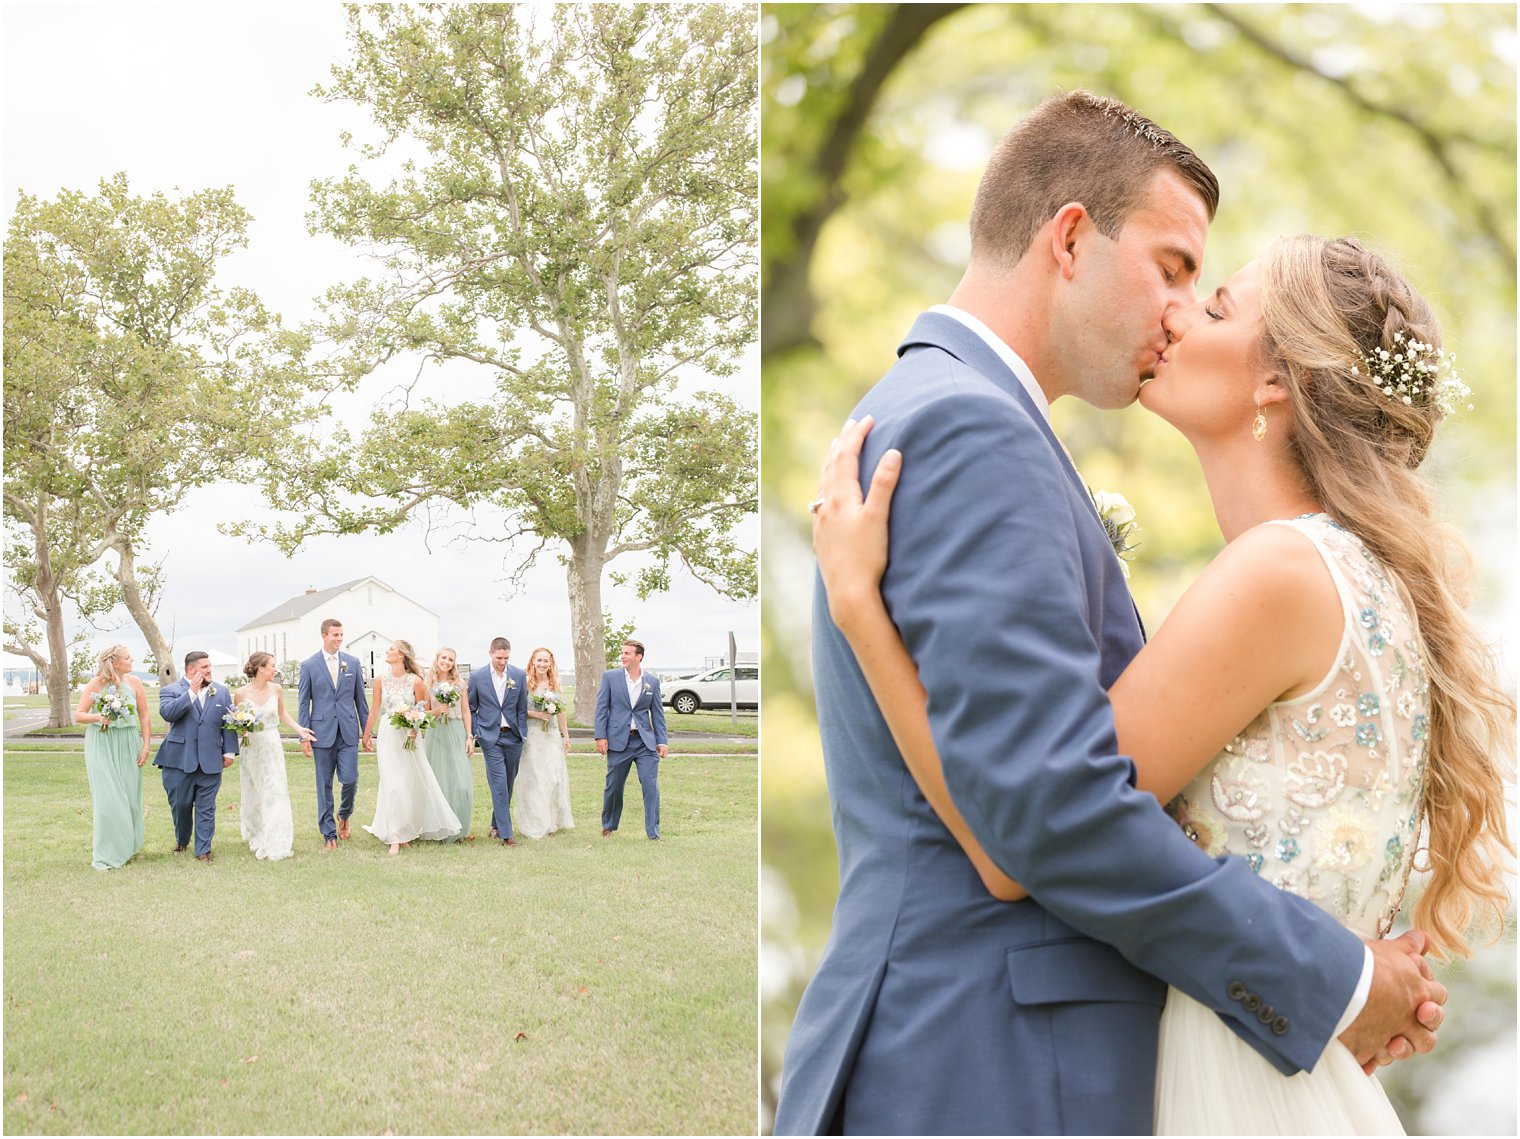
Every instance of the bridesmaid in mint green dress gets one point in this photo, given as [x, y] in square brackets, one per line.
[451, 743]
[114, 709]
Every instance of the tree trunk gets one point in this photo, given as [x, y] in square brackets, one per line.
[137, 605]
[587, 626]
[60, 712]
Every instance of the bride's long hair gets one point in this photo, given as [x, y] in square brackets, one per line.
[1328, 304]
[408, 657]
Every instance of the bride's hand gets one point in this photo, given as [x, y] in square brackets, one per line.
[850, 533]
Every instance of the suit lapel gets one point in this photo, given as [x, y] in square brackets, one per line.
[936, 330]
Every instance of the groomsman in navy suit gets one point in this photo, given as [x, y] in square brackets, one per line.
[194, 752]
[330, 701]
[499, 717]
[630, 729]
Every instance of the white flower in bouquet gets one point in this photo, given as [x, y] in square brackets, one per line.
[243, 720]
[112, 705]
[446, 693]
[411, 720]
[548, 702]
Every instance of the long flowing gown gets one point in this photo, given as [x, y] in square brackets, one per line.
[409, 804]
[1321, 793]
[268, 828]
[451, 767]
[543, 783]
[110, 764]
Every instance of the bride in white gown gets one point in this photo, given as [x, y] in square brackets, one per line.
[409, 803]
[543, 777]
[265, 808]
[1330, 625]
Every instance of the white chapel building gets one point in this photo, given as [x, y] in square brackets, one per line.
[373, 615]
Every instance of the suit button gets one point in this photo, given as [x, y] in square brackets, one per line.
[1265, 1014]
[1280, 1026]
[1236, 990]
[1252, 1002]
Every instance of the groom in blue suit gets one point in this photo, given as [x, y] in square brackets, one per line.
[630, 730]
[194, 752]
[330, 701]
[499, 717]
[936, 1009]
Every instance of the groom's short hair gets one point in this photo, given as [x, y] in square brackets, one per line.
[637, 646]
[1077, 147]
[501, 643]
[192, 656]
[330, 623]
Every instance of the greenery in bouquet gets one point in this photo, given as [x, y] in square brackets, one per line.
[447, 694]
[244, 720]
[111, 704]
[411, 720]
[549, 702]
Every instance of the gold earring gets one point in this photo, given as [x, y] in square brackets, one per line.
[1259, 426]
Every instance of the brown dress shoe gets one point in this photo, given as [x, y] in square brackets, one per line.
[509, 842]
[203, 857]
[605, 832]
[343, 828]
[332, 844]
[179, 848]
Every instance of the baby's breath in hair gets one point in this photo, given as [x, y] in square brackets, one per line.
[1416, 371]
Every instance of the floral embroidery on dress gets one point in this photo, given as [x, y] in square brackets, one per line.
[1322, 794]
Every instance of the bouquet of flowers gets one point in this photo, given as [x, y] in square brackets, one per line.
[243, 720]
[546, 701]
[112, 705]
[411, 721]
[447, 694]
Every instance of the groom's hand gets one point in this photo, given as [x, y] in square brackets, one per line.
[1403, 1009]
[306, 748]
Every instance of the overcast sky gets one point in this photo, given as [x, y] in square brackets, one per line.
[192, 96]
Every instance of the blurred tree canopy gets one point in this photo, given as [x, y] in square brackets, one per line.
[1394, 124]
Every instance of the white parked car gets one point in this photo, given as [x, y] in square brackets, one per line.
[714, 689]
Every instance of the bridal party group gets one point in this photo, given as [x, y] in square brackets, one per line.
[424, 726]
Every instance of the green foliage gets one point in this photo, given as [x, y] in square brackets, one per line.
[132, 380]
[614, 639]
[575, 217]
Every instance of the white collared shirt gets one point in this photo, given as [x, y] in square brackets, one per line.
[499, 682]
[1004, 353]
[635, 686]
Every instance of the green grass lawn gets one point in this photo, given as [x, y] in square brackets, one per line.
[574, 985]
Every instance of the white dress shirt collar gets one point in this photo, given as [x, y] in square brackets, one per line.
[1004, 353]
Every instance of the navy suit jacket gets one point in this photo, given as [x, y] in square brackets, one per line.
[614, 713]
[487, 714]
[336, 713]
[196, 739]
[936, 1009]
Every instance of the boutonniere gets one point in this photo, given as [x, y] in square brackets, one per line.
[343, 666]
[511, 683]
[647, 690]
[1118, 518]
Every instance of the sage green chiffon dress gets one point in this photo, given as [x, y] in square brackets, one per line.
[110, 762]
[451, 767]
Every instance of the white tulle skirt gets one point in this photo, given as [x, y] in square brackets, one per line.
[1211, 1082]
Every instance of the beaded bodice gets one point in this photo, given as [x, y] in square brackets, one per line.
[1322, 793]
[396, 692]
